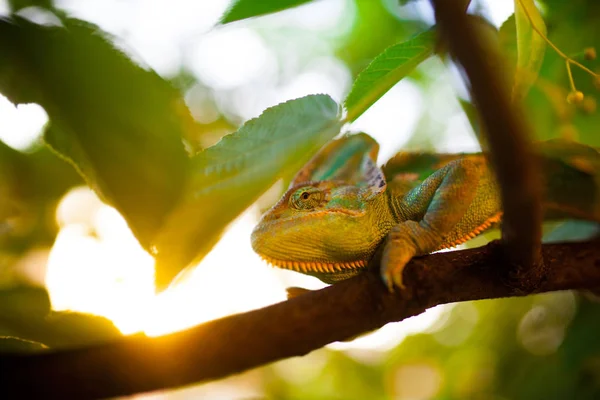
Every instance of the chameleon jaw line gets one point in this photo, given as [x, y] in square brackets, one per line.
[315, 266]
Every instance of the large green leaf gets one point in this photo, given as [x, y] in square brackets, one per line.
[530, 46]
[386, 70]
[242, 9]
[118, 124]
[229, 176]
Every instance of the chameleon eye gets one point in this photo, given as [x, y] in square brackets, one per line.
[306, 198]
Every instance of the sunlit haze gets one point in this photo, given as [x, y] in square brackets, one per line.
[97, 266]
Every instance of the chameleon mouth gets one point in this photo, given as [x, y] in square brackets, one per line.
[315, 266]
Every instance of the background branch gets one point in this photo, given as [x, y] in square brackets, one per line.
[292, 328]
[506, 133]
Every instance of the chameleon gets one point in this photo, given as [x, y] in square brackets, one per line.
[340, 207]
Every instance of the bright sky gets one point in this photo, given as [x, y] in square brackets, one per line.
[109, 274]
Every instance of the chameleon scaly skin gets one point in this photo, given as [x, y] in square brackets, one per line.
[340, 207]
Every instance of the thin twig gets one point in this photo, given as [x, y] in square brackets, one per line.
[571, 81]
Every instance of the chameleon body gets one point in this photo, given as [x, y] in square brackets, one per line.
[341, 207]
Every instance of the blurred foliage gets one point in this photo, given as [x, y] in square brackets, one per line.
[572, 26]
[16, 5]
[530, 46]
[30, 186]
[129, 133]
[15, 345]
[25, 314]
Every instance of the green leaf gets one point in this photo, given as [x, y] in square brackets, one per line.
[118, 124]
[25, 313]
[242, 9]
[10, 344]
[16, 5]
[230, 175]
[530, 47]
[386, 70]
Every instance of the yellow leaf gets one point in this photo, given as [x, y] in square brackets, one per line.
[530, 46]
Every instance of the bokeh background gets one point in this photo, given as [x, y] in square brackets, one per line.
[65, 239]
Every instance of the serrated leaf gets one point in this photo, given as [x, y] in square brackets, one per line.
[118, 124]
[386, 70]
[229, 176]
[242, 9]
[530, 47]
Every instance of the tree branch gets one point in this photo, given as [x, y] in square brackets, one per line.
[506, 133]
[292, 328]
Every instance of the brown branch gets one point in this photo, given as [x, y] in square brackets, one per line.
[506, 133]
[292, 328]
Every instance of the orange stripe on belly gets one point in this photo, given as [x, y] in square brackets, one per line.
[489, 222]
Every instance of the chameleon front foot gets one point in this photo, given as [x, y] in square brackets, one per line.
[392, 267]
[397, 252]
[405, 241]
[392, 277]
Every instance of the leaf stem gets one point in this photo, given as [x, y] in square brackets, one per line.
[567, 59]
[571, 81]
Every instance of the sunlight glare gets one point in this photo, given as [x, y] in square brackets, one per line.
[155, 31]
[499, 11]
[20, 126]
[392, 129]
[97, 266]
[246, 58]
[101, 269]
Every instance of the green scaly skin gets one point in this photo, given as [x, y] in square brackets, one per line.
[341, 207]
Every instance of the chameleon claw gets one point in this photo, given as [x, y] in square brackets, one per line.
[387, 281]
[391, 271]
[392, 278]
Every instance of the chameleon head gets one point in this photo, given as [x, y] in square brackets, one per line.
[327, 229]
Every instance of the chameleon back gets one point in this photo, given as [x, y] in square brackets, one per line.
[571, 174]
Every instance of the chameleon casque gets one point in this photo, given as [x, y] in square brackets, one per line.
[341, 207]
